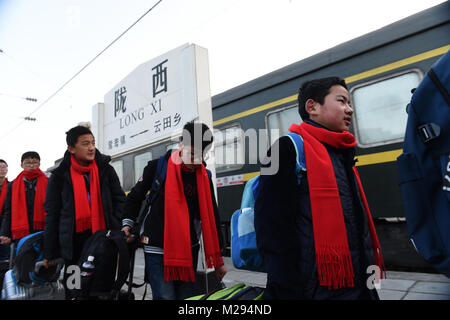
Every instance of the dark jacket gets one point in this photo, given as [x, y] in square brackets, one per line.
[285, 237]
[30, 191]
[154, 224]
[60, 207]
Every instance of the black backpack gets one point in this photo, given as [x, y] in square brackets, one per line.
[104, 253]
[424, 167]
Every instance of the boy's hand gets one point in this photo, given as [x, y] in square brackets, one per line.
[130, 237]
[5, 240]
[221, 272]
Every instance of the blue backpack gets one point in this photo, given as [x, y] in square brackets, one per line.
[244, 251]
[28, 263]
[424, 167]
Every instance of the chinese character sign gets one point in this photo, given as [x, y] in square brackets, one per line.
[159, 78]
[152, 102]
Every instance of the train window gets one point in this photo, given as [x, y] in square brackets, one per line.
[228, 148]
[140, 161]
[118, 167]
[281, 119]
[380, 108]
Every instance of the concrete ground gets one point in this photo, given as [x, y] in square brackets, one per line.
[397, 286]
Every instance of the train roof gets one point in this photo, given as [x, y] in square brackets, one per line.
[418, 22]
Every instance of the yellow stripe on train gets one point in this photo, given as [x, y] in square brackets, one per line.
[363, 160]
[350, 79]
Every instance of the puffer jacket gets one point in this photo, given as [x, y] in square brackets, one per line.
[60, 206]
[285, 237]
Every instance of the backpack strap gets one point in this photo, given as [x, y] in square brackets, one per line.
[118, 238]
[300, 166]
[158, 179]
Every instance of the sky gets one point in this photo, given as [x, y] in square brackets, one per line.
[44, 43]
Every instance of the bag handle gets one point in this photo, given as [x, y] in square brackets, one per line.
[118, 237]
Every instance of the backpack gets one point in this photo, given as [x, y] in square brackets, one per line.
[424, 167]
[103, 253]
[28, 263]
[239, 291]
[244, 251]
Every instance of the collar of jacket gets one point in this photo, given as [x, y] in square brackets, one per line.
[101, 160]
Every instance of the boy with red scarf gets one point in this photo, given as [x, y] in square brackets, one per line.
[317, 237]
[83, 196]
[23, 211]
[184, 208]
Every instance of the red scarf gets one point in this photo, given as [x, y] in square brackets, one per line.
[334, 264]
[3, 194]
[177, 238]
[19, 213]
[87, 216]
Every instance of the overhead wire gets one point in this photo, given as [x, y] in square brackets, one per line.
[81, 70]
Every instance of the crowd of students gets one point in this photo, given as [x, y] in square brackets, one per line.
[316, 235]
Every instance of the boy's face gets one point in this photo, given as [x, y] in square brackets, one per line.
[191, 156]
[84, 149]
[3, 169]
[30, 164]
[335, 113]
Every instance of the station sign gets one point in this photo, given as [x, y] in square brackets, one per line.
[154, 101]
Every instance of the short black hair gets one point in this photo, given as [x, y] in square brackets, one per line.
[190, 135]
[3, 161]
[30, 155]
[316, 89]
[73, 134]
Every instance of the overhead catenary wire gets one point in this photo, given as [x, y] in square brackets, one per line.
[81, 70]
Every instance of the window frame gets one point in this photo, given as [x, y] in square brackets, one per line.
[122, 163]
[239, 139]
[134, 164]
[266, 120]
[370, 82]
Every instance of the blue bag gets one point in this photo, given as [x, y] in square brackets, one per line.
[28, 265]
[244, 251]
[424, 167]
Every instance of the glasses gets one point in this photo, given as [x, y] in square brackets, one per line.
[3, 168]
[31, 163]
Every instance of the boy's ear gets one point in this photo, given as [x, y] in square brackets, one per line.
[311, 107]
[70, 149]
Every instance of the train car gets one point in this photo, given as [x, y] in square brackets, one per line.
[380, 69]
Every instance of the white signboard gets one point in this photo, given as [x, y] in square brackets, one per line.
[153, 101]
